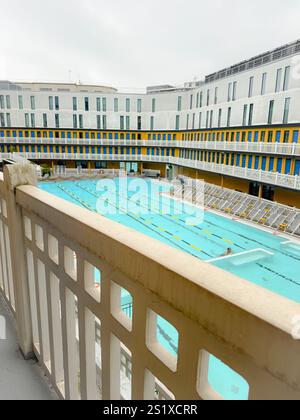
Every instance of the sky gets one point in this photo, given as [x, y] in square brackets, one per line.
[131, 44]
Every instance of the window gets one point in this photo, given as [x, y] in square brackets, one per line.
[187, 122]
[20, 101]
[122, 123]
[75, 107]
[127, 123]
[86, 104]
[278, 80]
[216, 96]
[45, 121]
[56, 121]
[207, 119]
[98, 104]
[177, 125]
[295, 136]
[286, 112]
[75, 122]
[27, 120]
[8, 120]
[50, 103]
[271, 111]
[200, 120]
[32, 118]
[104, 104]
[250, 119]
[1, 102]
[153, 105]
[286, 137]
[245, 115]
[197, 100]
[139, 106]
[116, 105]
[270, 137]
[127, 105]
[56, 103]
[191, 101]
[263, 84]
[179, 103]
[220, 118]
[251, 84]
[152, 123]
[201, 99]
[208, 97]
[139, 122]
[286, 82]
[229, 92]
[98, 122]
[229, 117]
[2, 120]
[8, 105]
[81, 122]
[193, 121]
[32, 102]
[234, 91]
[211, 119]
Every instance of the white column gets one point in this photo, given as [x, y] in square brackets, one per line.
[14, 176]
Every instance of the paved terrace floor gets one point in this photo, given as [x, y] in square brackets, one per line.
[19, 379]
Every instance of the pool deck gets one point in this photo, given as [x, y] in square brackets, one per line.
[19, 379]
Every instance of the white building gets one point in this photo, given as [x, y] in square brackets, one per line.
[210, 126]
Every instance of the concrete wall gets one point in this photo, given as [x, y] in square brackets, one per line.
[156, 166]
[290, 198]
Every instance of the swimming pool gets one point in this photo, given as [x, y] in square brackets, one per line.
[267, 260]
[275, 265]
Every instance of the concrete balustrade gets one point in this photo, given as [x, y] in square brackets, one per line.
[290, 149]
[269, 178]
[50, 250]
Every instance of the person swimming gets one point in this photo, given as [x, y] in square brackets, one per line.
[227, 253]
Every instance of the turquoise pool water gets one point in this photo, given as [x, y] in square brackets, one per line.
[275, 266]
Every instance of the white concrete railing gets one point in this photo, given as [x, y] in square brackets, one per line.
[290, 149]
[62, 171]
[6, 273]
[270, 178]
[54, 249]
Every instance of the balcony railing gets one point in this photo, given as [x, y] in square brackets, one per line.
[269, 178]
[50, 251]
[290, 149]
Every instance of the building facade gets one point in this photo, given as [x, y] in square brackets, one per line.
[238, 128]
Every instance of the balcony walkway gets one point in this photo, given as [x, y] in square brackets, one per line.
[19, 379]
